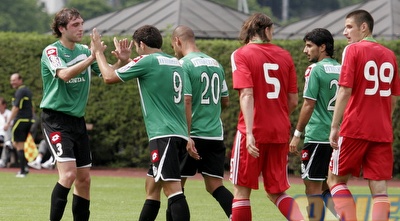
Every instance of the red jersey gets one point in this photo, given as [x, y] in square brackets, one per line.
[370, 70]
[270, 71]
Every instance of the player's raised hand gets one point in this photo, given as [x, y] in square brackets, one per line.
[96, 45]
[123, 49]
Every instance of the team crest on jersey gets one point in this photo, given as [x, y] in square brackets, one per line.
[154, 156]
[308, 71]
[55, 137]
[305, 155]
[51, 54]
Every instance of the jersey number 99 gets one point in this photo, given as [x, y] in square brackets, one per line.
[377, 75]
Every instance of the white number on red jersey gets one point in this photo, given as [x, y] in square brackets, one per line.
[272, 80]
[377, 75]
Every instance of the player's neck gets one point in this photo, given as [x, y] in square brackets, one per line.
[68, 44]
[369, 38]
[257, 40]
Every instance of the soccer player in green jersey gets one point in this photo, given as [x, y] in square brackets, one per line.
[320, 89]
[206, 93]
[160, 80]
[66, 68]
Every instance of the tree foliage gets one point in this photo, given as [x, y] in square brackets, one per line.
[90, 8]
[23, 16]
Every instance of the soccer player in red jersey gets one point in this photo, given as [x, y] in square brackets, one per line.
[366, 99]
[265, 77]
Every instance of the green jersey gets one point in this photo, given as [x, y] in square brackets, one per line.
[321, 85]
[205, 82]
[67, 97]
[160, 82]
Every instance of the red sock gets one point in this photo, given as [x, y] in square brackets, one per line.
[289, 208]
[380, 208]
[344, 202]
[241, 210]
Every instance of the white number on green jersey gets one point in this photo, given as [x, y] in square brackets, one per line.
[374, 74]
[331, 104]
[272, 80]
[178, 86]
[215, 88]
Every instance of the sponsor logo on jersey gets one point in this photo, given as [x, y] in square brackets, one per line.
[210, 62]
[331, 69]
[168, 61]
[154, 156]
[55, 137]
[51, 54]
[76, 80]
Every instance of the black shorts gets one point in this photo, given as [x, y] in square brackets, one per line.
[166, 155]
[212, 153]
[315, 158]
[21, 129]
[67, 137]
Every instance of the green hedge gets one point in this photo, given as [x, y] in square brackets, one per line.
[119, 137]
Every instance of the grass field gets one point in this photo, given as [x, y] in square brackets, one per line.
[121, 198]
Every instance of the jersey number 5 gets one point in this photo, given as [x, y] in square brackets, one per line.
[272, 80]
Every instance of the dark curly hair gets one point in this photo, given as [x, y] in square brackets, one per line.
[320, 36]
[149, 35]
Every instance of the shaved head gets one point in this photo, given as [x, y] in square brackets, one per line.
[183, 32]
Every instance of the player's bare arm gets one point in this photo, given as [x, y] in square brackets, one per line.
[190, 147]
[305, 115]
[14, 111]
[67, 73]
[247, 107]
[293, 100]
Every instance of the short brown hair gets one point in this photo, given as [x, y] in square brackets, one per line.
[62, 18]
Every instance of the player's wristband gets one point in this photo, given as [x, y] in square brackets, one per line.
[297, 133]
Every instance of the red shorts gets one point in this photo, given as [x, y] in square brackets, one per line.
[374, 158]
[272, 164]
